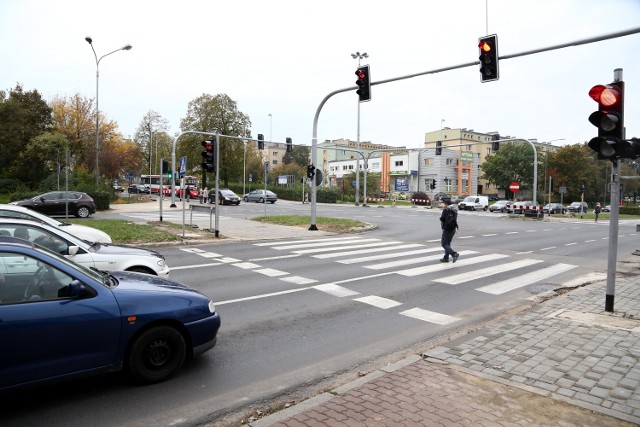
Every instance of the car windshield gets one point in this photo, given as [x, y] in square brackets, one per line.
[91, 272]
[227, 193]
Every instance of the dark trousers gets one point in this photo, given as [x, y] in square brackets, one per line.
[447, 237]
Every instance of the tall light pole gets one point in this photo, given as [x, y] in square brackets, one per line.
[125, 47]
[359, 56]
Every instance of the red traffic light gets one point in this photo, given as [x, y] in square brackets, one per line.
[208, 145]
[605, 95]
[485, 46]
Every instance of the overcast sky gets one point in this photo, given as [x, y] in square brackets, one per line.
[282, 57]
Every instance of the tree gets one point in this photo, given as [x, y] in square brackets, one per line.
[23, 116]
[216, 114]
[43, 153]
[298, 155]
[576, 165]
[513, 162]
[154, 141]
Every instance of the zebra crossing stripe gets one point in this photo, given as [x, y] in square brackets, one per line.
[336, 290]
[271, 272]
[379, 302]
[429, 316]
[293, 242]
[387, 256]
[334, 248]
[298, 280]
[448, 266]
[409, 261]
[485, 272]
[525, 279]
[368, 251]
[323, 244]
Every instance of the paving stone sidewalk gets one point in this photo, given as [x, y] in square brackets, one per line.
[565, 362]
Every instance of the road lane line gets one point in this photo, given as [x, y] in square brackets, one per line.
[255, 297]
[298, 280]
[336, 290]
[186, 267]
[271, 272]
[378, 302]
[429, 316]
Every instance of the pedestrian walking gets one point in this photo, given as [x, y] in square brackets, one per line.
[205, 195]
[449, 223]
[597, 210]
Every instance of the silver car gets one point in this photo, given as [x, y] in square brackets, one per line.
[260, 196]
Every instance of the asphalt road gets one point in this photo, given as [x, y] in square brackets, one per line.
[299, 314]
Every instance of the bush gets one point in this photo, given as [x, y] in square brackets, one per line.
[421, 198]
[10, 185]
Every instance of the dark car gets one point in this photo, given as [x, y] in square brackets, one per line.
[578, 207]
[62, 320]
[441, 197]
[138, 189]
[260, 196]
[225, 197]
[555, 208]
[57, 203]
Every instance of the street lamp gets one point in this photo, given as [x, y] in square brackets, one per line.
[359, 56]
[125, 47]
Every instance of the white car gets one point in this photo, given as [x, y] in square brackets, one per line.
[97, 255]
[89, 234]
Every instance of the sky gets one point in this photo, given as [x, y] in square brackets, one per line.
[279, 59]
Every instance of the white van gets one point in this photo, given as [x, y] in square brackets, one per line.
[473, 203]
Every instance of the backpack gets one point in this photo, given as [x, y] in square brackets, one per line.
[450, 219]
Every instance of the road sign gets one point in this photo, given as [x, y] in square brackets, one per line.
[183, 167]
[514, 187]
[563, 189]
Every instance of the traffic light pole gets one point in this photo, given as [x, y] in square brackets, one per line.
[614, 217]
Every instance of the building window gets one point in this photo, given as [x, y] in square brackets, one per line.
[275, 153]
[451, 162]
[428, 162]
[469, 147]
[488, 151]
[274, 162]
[399, 162]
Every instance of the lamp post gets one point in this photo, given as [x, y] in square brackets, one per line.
[125, 47]
[359, 56]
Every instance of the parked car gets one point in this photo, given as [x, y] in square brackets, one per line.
[441, 197]
[191, 192]
[554, 208]
[225, 197]
[57, 202]
[138, 189]
[493, 198]
[260, 196]
[88, 234]
[607, 208]
[98, 255]
[457, 199]
[533, 209]
[576, 207]
[474, 203]
[499, 206]
[117, 187]
[63, 320]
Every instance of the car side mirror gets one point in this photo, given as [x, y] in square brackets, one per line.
[73, 250]
[42, 199]
[76, 289]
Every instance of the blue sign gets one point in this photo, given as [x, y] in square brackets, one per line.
[182, 170]
[402, 184]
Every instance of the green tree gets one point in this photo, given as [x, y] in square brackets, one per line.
[43, 153]
[23, 116]
[513, 162]
[154, 141]
[298, 155]
[576, 165]
[216, 114]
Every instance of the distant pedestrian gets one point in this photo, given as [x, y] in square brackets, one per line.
[597, 211]
[205, 195]
[449, 223]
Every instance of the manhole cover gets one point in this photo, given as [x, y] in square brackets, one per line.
[540, 288]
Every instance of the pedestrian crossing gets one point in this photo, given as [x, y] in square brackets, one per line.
[415, 259]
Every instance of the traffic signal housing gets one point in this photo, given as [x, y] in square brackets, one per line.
[495, 143]
[289, 145]
[609, 119]
[165, 167]
[260, 141]
[438, 148]
[311, 170]
[207, 156]
[488, 46]
[364, 83]
[433, 184]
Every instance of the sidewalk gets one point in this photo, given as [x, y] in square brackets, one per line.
[565, 362]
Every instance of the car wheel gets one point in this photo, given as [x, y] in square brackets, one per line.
[272, 202]
[485, 209]
[503, 210]
[156, 354]
[246, 199]
[83, 212]
[261, 200]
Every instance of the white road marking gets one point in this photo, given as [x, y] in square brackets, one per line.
[186, 267]
[337, 248]
[429, 316]
[298, 280]
[489, 271]
[367, 251]
[271, 272]
[447, 266]
[379, 302]
[246, 265]
[387, 256]
[525, 279]
[336, 290]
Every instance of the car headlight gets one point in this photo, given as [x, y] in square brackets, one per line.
[161, 262]
[212, 307]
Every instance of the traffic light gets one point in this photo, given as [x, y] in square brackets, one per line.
[165, 167]
[609, 119]
[289, 145]
[260, 141]
[488, 58]
[207, 156]
[311, 170]
[438, 148]
[582, 188]
[170, 175]
[433, 184]
[495, 145]
[364, 83]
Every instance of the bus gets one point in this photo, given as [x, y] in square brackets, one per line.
[153, 182]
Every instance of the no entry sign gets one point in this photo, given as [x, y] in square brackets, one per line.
[514, 187]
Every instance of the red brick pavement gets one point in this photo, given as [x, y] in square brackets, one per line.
[426, 393]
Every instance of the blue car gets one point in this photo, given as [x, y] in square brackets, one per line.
[59, 320]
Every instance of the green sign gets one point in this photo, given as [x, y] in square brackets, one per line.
[466, 156]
